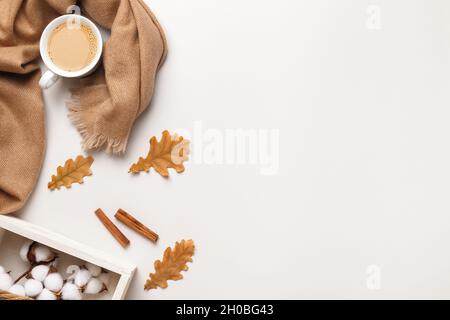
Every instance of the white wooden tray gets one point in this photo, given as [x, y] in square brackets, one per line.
[14, 232]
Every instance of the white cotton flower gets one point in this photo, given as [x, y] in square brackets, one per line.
[24, 251]
[43, 254]
[18, 290]
[39, 273]
[2, 270]
[6, 282]
[54, 282]
[105, 278]
[94, 286]
[82, 278]
[70, 292]
[93, 269]
[46, 295]
[33, 288]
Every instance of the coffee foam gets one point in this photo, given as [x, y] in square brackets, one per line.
[72, 47]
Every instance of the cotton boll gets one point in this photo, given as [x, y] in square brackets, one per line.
[5, 281]
[39, 273]
[18, 290]
[24, 251]
[94, 286]
[105, 278]
[43, 254]
[70, 292]
[72, 270]
[46, 295]
[54, 282]
[33, 288]
[93, 269]
[82, 278]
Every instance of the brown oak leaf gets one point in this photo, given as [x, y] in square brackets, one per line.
[73, 172]
[173, 263]
[170, 152]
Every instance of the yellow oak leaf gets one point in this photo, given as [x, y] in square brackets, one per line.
[170, 152]
[72, 172]
[173, 263]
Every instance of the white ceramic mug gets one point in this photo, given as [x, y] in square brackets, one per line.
[54, 73]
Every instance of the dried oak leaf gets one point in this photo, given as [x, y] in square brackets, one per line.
[170, 152]
[174, 261]
[72, 172]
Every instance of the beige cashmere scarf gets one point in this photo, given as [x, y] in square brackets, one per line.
[105, 106]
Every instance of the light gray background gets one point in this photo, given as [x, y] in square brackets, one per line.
[364, 159]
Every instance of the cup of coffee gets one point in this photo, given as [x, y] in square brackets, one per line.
[71, 47]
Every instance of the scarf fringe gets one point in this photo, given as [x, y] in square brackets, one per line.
[93, 141]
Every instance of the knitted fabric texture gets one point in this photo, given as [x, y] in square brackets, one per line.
[105, 105]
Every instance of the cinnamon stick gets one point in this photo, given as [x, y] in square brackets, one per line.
[115, 232]
[136, 225]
